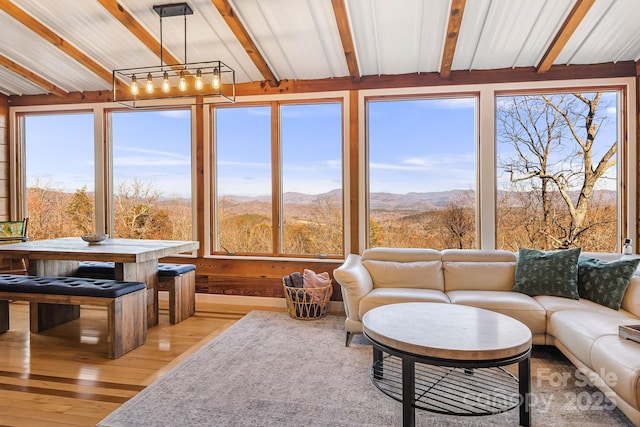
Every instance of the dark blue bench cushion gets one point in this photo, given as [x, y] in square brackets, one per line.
[106, 270]
[172, 270]
[67, 286]
[96, 269]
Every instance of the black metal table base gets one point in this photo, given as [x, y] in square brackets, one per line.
[452, 387]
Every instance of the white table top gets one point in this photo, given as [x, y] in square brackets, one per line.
[447, 331]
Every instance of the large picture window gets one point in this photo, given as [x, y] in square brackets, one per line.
[278, 179]
[243, 180]
[152, 174]
[556, 171]
[422, 172]
[311, 140]
[59, 170]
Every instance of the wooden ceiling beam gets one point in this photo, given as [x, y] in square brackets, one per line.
[569, 25]
[126, 19]
[234, 23]
[453, 30]
[342, 20]
[44, 32]
[476, 77]
[32, 77]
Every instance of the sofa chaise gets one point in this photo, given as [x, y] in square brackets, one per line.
[586, 332]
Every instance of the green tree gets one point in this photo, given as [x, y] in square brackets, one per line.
[80, 211]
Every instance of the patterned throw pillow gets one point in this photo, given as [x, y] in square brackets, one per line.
[605, 282]
[547, 273]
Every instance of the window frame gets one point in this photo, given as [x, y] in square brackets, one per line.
[417, 97]
[103, 160]
[277, 219]
[486, 157]
[624, 202]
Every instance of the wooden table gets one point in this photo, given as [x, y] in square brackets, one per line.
[135, 260]
[460, 351]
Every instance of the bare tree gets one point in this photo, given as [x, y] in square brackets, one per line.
[458, 222]
[555, 152]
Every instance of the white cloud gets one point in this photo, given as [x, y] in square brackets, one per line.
[456, 103]
[175, 114]
[148, 158]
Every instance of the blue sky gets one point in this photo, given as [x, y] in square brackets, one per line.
[422, 145]
[415, 146]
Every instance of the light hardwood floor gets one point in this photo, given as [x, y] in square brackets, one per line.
[63, 378]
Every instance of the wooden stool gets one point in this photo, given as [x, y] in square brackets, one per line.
[180, 281]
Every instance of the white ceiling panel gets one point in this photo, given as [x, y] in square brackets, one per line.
[608, 33]
[298, 38]
[37, 55]
[11, 83]
[471, 29]
[582, 33]
[546, 25]
[432, 36]
[393, 39]
[92, 30]
[496, 34]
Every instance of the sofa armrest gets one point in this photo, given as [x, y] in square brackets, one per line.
[631, 300]
[355, 281]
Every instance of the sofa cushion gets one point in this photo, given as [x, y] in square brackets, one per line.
[578, 330]
[547, 273]
[605, 282]
[401, 254]
[553, 304]
[618, 362]
[478, 255]
[419, 274]
[519, 306]
[486, 276]
[383, 296]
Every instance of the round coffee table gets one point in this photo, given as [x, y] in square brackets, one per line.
[460, 352]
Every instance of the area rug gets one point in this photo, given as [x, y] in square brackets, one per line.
[271, 370]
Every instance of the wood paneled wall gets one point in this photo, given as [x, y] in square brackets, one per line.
[4, 158]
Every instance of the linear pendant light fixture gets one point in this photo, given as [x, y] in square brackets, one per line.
[213, 80]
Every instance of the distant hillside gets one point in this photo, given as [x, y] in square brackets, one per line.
[394, 201]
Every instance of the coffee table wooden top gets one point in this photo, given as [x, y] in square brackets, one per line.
[447, 331]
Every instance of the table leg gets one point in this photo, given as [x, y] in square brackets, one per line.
[408, 392]
[524, 378]
[145, 272]
[48, 267]
[378, 367]
[45, 316]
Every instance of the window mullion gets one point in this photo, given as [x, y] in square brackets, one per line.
[276, 178]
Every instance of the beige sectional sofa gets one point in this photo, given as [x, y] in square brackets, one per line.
[585, 331]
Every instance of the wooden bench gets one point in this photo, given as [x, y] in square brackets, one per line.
[56, 300]
[178, 279]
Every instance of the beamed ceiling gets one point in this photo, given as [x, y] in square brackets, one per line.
[67, 48]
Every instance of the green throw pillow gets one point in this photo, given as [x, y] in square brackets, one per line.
[605, 282]
[547, 273]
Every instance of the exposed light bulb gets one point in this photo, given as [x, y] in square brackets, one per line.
[182, 85]
[135, 90]
[149, 85]
[199, 80]
[216, 78]
[165, 82]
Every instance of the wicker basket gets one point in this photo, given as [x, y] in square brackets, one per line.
[307, 303]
